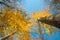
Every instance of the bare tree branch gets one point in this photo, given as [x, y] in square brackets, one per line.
[5, 4]
[6, 37]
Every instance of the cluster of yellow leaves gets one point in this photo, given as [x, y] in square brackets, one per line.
[25, 36]
[37, 15]
[14, 20]
[43, 13]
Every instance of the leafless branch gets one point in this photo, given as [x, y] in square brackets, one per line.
[5, 4]
[3, 38]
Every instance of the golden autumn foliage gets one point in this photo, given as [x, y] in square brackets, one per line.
[24, 36]
[14, 20]
[43, 13]
[37, 15]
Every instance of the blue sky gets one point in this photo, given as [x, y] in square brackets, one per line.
[32, 5]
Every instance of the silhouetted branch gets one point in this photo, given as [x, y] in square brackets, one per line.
[6, 37]
[5, 4]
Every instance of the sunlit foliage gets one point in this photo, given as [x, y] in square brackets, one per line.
[13, 20]
[16, 20]
[37, 15]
